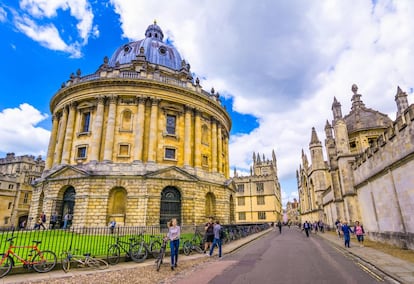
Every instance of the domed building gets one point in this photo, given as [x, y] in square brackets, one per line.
[138, 141]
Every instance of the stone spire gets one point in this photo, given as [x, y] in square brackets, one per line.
[336, 109]
[401, 101]
[328, 130]
[314, 137]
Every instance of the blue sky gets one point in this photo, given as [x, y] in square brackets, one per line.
[277, 64]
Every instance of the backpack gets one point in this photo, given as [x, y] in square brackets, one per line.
[222, 233]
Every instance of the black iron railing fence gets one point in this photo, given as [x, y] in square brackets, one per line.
[96, 240]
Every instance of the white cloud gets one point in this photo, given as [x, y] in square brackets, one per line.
[3, 15]
[284, 62]
[19, 132]
[32, 21]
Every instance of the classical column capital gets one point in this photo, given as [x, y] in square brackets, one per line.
[155, 101]
[113, 99]
[140, 99]
[100, 99]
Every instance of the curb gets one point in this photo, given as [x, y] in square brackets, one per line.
[361, 259]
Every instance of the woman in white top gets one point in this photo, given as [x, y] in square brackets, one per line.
[173, 235]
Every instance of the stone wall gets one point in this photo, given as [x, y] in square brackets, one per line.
[384, 184]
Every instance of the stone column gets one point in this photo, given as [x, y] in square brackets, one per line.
[139, 130]
[226, 156]
[197, 138]
[97, 130]
[214, 144]
[110, 129]
[152, 143]
[52, 143]
[67, 145]
[62, 129]
[187, 136]
[220, 150]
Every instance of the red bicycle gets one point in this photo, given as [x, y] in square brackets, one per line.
[42, 261]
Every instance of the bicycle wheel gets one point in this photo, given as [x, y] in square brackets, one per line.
[155, 248]
[198, 249]
[159, 259]
[187, 247]
[44, 261]
[113, 255]
[138, 252]
[65, 261]
[6, 264]
[97, 263]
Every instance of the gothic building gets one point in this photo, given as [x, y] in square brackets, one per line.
[138, 141]
[366, 175]
[17, 174]
[258, 194]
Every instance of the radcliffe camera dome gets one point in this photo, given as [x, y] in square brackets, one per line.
[152, 47]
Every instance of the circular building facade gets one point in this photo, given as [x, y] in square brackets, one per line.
[138, 141]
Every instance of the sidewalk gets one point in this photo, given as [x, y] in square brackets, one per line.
[397, 269]
[59, 274]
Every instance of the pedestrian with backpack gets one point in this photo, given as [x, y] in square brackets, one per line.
[217, 240]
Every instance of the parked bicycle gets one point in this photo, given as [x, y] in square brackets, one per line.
[161, 254]
[195, 244]
[142, 248]
[69, 259]
[42, 261]
[114, 250]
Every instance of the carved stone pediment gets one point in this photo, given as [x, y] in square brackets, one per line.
[172, 173]
[68, 172]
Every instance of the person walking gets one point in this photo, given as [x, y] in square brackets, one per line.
[173, 235]
[279, 225]
[359, 232]
[209, 234]
[53, 220]
[66, 220]
[217, 239]
[306, 227]
[346, 230]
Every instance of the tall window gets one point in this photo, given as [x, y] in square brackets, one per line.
[11, 186]
[10, 205]
[86, 119]
[171, 123]
[204, 134]
[126, 122]
[259, 187]
[240, 201]
[25, 198]
[204, 161]
[240, 188]
[261, 215]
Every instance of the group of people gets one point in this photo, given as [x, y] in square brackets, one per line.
[54, 221]
[211, 239]
[344, 230]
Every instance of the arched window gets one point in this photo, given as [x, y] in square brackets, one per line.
[68, 204]
[170, 205]
[117, 203]
[126, 120]
[210, 205]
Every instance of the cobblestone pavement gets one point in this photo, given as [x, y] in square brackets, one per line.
[137, 275]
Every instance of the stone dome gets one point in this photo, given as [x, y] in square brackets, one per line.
[362, 118]
[152, 47]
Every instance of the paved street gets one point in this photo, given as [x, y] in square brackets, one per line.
[289, 257]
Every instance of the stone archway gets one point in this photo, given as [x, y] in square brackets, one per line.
[210, 205]
[68, 204]
[232, 210]
[117, 204]
[170, 205]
